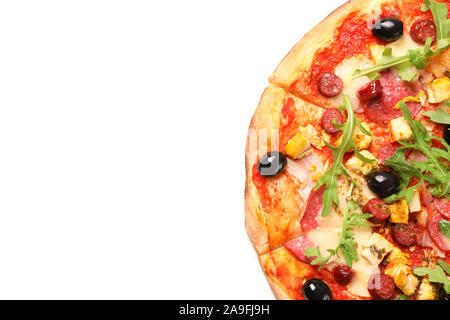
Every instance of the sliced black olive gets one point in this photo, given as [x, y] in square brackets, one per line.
[272, 164]
[447, 133]
[388, 29]
[316, 289]
[383, 183]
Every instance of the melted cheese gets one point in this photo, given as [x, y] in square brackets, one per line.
[402, 45]
[345, 71]
[363, 268]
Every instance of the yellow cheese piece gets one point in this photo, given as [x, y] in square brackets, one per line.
[376, 249]
[439, 90]
[403, 277]
[362, 141]
[357, 165]
[426, 291]
[400, 129]
[298, 147]
[399, 211]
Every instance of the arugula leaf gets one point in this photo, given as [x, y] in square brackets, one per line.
[415, 58]
[439, 11]
[436, 275]
[444, 225]
[346, 245]
[444, 266]
[433, 170]
[405, 172]
[439, 116]
[329, 178]
[403, 297]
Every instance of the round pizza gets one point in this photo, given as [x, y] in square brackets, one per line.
[347, 159]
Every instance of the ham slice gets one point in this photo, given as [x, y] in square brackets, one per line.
[313, 210]
[436, 234]
[298, 246]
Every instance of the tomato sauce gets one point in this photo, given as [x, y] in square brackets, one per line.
[288, 125]
[353, 37]
[411, 11]
[260, 184]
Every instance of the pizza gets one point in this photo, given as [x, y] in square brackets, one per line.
[347, 192]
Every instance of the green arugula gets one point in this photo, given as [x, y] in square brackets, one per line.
[329, 178]
[433, 170]
[346, 245]
[403, 297]
[444, 225]
[436, 275]
[439, 116]
[414, 58]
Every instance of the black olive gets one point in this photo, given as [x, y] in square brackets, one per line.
[447, 133]
[383, 183]
[316, 289]
[272, 164]
[388, 29]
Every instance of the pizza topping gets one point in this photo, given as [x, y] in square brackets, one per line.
[386, 151]
[378, 209]
[388, 29]
[346, 244]
[313, 207]
[400, 129]
[403, 277]
[272, 164]
[315, 289]
[298, 147]
[370, 91]
[376, 249]
[421, 30]
[404, 234]
[436, 234]
[419, 57]
[357, 165]
[330, 85]
[439, 90]
[439, 116]
[328, 117]
[436, 275]
[329, 178]
[343, 274]
[381, 286]
[443, 206]
[433, 169]
[399, 211]
[382, 108]
[298, 246]
[383, 183]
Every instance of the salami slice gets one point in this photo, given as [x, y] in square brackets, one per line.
[386, 151]
[433, 228]
[443, 206]
[330, 85]
[381, 110]
[298, 246]
[421, 30]
[313, 209]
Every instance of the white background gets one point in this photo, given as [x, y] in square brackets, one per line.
[122, 134]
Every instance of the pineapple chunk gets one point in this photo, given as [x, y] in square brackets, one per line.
[400, 129]
[362, 141]
[414, 205]
[376, 249]
[357, 165]
[314, 137]
[426, 291]
[399, 211]
[397, 256]
[376, 51]
[439, 90]
[403, 277]
[298, 147]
